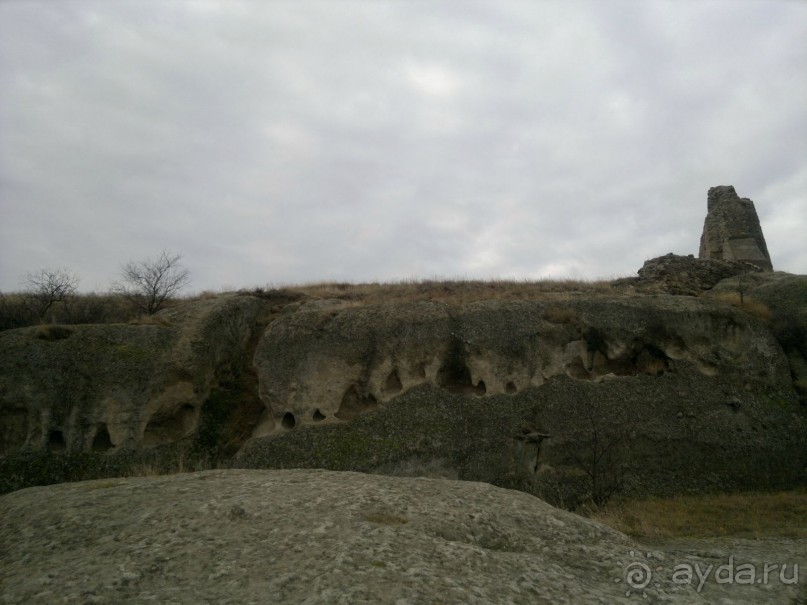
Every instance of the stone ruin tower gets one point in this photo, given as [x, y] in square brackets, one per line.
[732, 231]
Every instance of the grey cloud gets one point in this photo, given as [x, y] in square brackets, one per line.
[293, 141]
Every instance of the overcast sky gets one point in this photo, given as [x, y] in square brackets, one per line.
[288, 142]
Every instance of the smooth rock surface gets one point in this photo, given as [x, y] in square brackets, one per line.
[323, 537]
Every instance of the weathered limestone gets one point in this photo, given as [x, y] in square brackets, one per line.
[120, 386]
[312, 536]
[732, 231]
[384, 387]
[698, 392]
[318, 366]
[685, 275]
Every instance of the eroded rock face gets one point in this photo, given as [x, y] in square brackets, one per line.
[732, 231]
[102, 387]
[330, 364]
[786, 297]
[696, 393]
[686, 394]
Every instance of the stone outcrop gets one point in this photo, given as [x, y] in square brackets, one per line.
[685, 275]
[785, 295]
[693, 394]
[325, 364]
[686, 387]
[311, 536]
[732, 231]
[120, 386]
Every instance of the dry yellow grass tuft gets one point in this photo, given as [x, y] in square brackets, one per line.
[103, 484]
[749, 305]
[742, 515]
[386, 519]
[561, 315]
[150, 320]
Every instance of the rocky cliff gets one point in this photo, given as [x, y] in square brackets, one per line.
[569, 399]
[122, 386]
[653, 393]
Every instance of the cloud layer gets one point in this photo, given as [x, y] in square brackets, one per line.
[288, 142]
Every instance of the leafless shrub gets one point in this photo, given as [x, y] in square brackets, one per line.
[603, 455]
[95, 308]
[14, 313]
[150, 283]
[47, 287]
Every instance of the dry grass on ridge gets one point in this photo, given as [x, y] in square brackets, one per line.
[740, 515]
[749, 305]
[450, 291]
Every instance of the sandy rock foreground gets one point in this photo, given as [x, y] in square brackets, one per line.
[310, 536]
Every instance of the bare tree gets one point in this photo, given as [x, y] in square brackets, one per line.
[47, 287]
[149, 283]
[603, 458]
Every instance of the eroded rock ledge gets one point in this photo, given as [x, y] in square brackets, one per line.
[329, 363]
[688, 393]
[652, 394]
[115, 387]
[685, 275]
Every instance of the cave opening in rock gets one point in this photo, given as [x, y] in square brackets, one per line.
[288, 421]
[393, 384]
[510, 388]
[168, 426]
[102, 442]
[318, 416]
[652, 361]
[354, 403]
[56, 442]
[455, 376]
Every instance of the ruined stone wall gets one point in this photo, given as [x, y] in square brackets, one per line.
[683, 275]
[732, 231]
